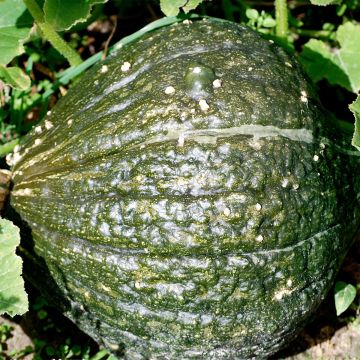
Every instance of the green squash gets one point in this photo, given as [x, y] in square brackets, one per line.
[189, 198]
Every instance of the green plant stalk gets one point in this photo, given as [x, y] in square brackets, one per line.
[281, 16]
[51, 35]
[314, 33]
[8, 147]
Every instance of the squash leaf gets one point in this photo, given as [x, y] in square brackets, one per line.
[344, 296]
[172, 7]
[15, 25]
[338, 65]
[355, 108]
[14, 77]
[191, 5]
[63, 14]
[13, 298]
[348, 36]
[320, 63]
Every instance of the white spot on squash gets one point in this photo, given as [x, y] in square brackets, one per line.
[48, 124]
[316, 158]
[285, 182]
[226, 211]
[125, 66]
[38, 129]
[22, 192]
[303, 97]
[104, 69]
[258, 207]
[204, 106]
[37, 142]
[170, 90]
[217, 83]
[181, 140]
[259, 238]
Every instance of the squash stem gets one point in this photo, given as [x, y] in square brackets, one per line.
[51, 35]
[281, 15]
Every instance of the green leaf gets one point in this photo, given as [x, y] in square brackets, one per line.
[269, 22]
[320, 63]
[252, 14]
[191, 5]
[63, 14]
[344, 296]
[325, 2]
[355, 108]
[14, 77]
[171, 7]
[13, 298]
[15, 25]
[100, 355]
[348, 36]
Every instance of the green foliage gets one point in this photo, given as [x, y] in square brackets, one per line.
[191, 5]
[13, 298]
[355, 108]
[172, 7]
[348, 36]
[260, 21]
[15, 24]
[320, 62]
[344, 296]
[340, 66]
[63, 14]
[14, 77]
[325, 2]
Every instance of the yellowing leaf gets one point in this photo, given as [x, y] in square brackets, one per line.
[13, 298]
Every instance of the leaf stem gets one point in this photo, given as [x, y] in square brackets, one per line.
[51, 35]
[281, 16]
[8, 147]
[314, 33]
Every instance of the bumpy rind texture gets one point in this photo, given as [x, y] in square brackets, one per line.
[189, 197]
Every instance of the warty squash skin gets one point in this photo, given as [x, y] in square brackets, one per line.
[189, 196]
